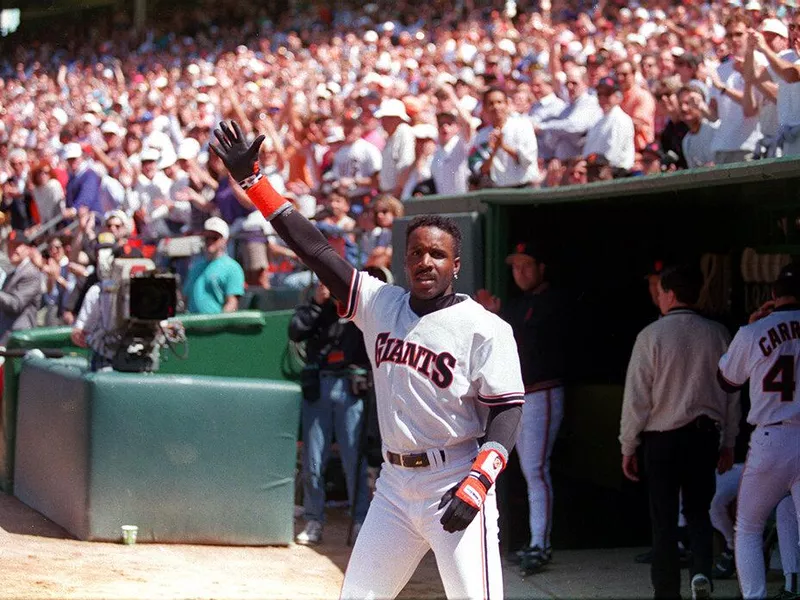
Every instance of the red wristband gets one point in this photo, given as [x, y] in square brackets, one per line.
[484, 472]
[266, 199]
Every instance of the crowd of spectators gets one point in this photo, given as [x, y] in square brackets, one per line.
[367, 106]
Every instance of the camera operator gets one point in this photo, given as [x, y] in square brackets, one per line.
[335, 383]
[97, 316]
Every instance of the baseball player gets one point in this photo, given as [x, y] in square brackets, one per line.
[766, 352]
[446, 373]
[538, 319]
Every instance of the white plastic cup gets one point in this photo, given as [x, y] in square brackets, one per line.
[129, 534]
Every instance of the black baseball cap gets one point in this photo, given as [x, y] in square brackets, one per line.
[790, 273]
[18, 236]
[653, 149]
[655, 267]
[608, 85]
[530, 249]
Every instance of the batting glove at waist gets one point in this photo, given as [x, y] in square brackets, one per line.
[466, 499]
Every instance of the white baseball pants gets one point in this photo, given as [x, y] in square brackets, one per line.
[402, 524]
[541, 418]
[727, 490]
[771, 471]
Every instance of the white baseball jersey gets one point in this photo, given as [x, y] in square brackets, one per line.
[436, 375]
[768, 353]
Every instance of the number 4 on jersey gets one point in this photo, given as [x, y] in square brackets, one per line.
[780, 378]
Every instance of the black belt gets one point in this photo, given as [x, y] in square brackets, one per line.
[411, 460]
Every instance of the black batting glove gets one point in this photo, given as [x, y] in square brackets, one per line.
[240, 159]
[459, 514]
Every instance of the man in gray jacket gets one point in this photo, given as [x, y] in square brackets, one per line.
[685, 423]
[21, 293]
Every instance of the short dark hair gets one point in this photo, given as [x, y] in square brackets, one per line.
[491, 90]
[684, 280]
[439, 222]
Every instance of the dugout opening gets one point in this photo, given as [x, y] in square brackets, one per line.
[738, 223]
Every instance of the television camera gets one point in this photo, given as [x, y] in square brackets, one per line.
[141, 301]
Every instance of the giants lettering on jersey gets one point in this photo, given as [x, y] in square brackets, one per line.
[782, 332]
[436, 367]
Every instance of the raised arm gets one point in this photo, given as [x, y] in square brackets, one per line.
[297, 231]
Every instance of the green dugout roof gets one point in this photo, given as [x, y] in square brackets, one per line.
[632, 188]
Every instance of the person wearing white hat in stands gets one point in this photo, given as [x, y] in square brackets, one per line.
[425, 136]
[765, 81]
[215, 280]
[397, 157]
[151, 185]
[449, 167]
[84, 183]
[785, 67]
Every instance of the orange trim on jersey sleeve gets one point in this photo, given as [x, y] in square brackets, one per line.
[266, 199]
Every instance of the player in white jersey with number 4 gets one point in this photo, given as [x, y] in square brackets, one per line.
[446, 374]
[767, 352]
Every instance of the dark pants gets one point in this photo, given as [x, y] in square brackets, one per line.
[682, 459]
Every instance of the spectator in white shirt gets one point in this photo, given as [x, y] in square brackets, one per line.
[151, 189]
[355, 164]
[765, 80]
[449, 168]
[546, 106]
[510, 142]
[785, 67]
[568, 131]
[697, 143]
[613, 135]
[425, 136]
[739, 130]
[397, 156]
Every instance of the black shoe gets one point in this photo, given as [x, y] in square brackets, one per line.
[515, 556]
[533, 559]
[725, 567]
[646, 558]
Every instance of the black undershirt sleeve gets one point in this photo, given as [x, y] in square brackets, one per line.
[503, 425]
[726, 385]
[316, 253]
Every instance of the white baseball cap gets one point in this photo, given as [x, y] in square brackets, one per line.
[217, 225]
[112, 127]
[90, 118]
[336, 135]
[425, 131]
[391, 107]
[149, 154]
[188, 149]
[168, 158]
[72, 150]
[753, 5]
[775, 26]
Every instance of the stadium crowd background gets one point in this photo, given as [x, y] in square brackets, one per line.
[365, 107]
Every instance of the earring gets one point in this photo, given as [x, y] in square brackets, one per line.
[455, 275]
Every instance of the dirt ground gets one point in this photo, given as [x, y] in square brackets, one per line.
[38, 559]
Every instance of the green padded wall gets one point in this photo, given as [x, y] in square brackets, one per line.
[240, 344]
[189, 459]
